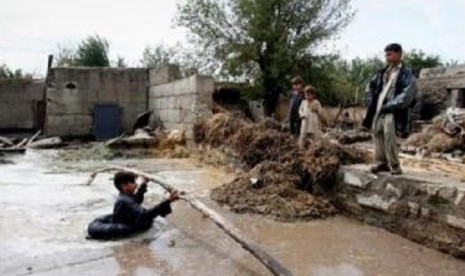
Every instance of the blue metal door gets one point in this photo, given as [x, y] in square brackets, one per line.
[107, 121]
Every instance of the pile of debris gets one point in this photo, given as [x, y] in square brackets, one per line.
[350, 136]
[279, 178]
[444, 135]
[149, 143]
[13, 145]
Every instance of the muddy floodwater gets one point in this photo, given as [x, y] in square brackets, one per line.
[45, 209]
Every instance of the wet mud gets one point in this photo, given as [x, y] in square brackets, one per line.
[46, 209]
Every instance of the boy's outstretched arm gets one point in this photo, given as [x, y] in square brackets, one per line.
[139, 195]
[164, 208]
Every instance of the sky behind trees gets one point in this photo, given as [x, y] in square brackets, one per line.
[30, 30]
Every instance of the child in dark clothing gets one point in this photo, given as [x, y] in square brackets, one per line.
[129, 217]
[128, 210]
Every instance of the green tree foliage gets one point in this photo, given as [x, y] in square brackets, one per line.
[417, 60]
[340, 81]
[8, 74]
[158, 56]
[263, 40]
[161, 55]
[93, 52]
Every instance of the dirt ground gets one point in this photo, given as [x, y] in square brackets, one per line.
[46, 208]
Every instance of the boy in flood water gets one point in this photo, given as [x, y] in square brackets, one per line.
[128, 210]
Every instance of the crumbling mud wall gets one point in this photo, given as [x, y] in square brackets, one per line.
[428, 209]
[181, 103]
[72, 94]
[19, 103]
[435, 85]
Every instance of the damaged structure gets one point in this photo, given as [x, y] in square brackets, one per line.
[440, 88]
[104, 102]
[25, 96]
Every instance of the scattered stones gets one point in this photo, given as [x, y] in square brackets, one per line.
[375, 201]
[353, 180]
[414, 208]
[455, 221]
[393, 191]
[448, 193]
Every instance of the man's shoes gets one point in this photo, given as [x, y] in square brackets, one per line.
[381, 167]
[396, 170]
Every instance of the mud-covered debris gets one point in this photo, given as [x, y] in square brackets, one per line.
[47, 143]
[351, 136]
[287, 174]
[434, 139]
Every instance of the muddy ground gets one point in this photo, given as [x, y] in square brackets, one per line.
[46, 208]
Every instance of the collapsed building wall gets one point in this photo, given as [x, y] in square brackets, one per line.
[437, 86]
[20, 104]
[181, 103]
[73, 94]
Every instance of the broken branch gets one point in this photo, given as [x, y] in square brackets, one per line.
[266, 259]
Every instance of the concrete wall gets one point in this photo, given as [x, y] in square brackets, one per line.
[422, 206]
[179, 104]
[442, 71]
[18, 103]
[435, 85]
[73, 92]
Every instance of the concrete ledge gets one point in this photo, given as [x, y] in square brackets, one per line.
[426, 208]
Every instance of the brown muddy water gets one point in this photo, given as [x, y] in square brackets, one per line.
[45, 209]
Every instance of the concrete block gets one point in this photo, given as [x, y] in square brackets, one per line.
[460, 199]
[414, 209]
[164, 75]
[455, 222]
[375, 202]
[393, 191]
[352, 179]
[448, 193]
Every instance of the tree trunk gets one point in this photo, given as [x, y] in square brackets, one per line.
[271, 95]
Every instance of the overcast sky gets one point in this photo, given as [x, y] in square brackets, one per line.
[32, 29]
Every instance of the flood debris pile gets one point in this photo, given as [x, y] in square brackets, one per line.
[442, 136]
[14, 145]
[150, 142]
[350, 136]
[279, 179]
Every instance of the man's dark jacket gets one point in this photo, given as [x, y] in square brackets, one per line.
[404, 98]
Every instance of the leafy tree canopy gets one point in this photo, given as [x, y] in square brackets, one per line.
[264, 40]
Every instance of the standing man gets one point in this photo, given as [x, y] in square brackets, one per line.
[389, 96]
[297, 95]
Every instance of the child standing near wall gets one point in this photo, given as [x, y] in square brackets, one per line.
[310, 113]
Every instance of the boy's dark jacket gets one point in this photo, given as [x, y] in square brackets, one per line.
[128, 210]
[405, 93]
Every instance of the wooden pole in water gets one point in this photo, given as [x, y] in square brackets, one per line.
[266, 259]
